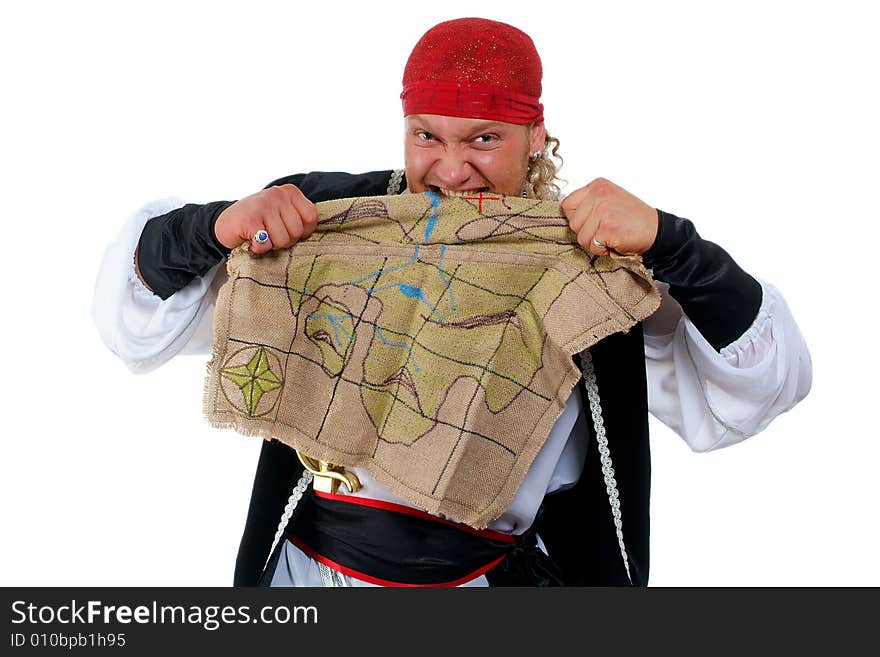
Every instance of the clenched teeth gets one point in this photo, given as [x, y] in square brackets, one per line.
[461, 194]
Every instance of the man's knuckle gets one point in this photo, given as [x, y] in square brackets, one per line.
[601, 186]
[262, 205]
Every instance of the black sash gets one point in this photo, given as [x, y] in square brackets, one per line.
[393, 545]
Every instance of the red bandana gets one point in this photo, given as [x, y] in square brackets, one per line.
[474, 68]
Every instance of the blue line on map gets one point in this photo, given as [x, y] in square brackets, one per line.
[444, 279]
[397, 344]
[413, 293]
[435, 203]
[415, 257]
[335, 323]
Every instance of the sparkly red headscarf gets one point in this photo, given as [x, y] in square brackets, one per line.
[474, 68]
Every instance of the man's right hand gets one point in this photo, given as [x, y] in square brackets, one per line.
[282, 211]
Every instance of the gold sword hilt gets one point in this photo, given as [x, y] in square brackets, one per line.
[327, 476]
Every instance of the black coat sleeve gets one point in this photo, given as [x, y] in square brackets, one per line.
[719, 297]
[177, 246]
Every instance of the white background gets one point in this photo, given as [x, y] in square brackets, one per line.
[757, 121]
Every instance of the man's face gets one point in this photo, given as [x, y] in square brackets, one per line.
[447, 154]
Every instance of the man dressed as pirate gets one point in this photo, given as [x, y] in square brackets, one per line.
[717, 362]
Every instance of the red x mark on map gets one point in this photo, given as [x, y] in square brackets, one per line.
[480, 199]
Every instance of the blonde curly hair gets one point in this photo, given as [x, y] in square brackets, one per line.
[542, 174]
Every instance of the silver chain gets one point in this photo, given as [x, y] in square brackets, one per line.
[394, 182]
[604, 453]
[292, 501]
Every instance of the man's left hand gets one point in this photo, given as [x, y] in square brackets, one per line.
[611, 216]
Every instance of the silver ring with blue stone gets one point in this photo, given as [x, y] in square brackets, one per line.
[261, 236]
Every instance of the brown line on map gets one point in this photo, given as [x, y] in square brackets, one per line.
[404, 379]
[370, 209]
[476, 321]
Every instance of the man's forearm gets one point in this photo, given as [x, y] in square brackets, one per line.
[176, 247]
[716, 295]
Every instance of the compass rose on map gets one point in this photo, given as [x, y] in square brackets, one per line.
[249, 382]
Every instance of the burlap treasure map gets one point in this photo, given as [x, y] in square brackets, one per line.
[426, 339]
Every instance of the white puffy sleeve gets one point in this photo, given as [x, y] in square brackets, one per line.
[137, 325]
[714, 399]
